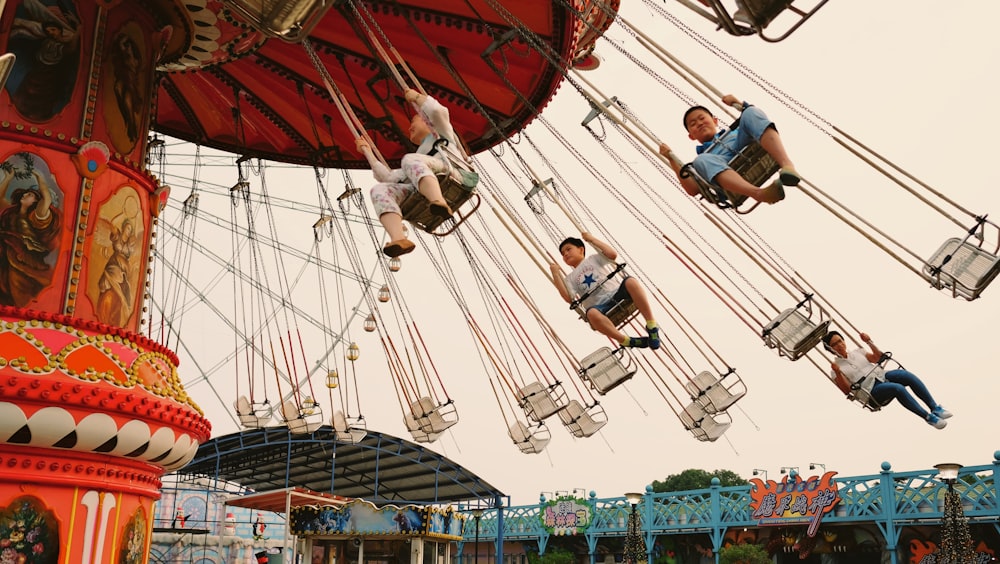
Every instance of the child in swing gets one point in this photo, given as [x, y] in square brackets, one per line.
[718, 146]
[587, 275]
[417, 173]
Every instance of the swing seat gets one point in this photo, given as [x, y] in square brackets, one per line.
[530, 441]
[621, 313]
[961, 267]
[418, 434]
[458, 187]
[793, 333]
[606, 369]
[583, 422]
[861, 392]
[760, 14]
[299, 423]
[252, 416]
[351, 432]
[713, 393]
[704, 426]
[540, 402]
[433, 418]
[753, 163]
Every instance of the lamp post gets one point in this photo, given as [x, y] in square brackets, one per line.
[759, 471]
[792, 471]
[813, 465]
[477, 514]
[956, 542]
[635, 546]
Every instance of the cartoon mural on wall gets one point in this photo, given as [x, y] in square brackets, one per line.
[115, 254]
[30, 223]
[362, 517]
[45, 38]
[126, 87]
[29, 532]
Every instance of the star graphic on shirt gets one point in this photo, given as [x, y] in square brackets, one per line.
[588, 279]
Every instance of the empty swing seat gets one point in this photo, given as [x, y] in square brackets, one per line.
[299, 423]
[607, 368]
[713, 393]
[418, 434]
[540, 401]
[431, 417]
[347, 432]
[528, 440]
[967, 273]
[583, 422]
[250, 417]
[458, 187]
[704, 426]
[753, 163]
[794, 334]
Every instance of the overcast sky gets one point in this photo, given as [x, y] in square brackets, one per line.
[906, 78]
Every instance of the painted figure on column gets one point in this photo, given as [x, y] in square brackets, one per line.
[116, 238]
[126, 88]
[29, 228]
[45, 37]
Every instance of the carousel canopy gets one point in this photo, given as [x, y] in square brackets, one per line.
[232, 86]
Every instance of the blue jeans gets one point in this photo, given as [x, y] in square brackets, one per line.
[753, 124]
[894, 388]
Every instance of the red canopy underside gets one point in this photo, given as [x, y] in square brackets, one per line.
[271, 103]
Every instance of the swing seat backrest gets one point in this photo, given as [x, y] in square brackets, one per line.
[704, 426]
[418, 434]
[961, 267]
[582, 422]
[539, 401]
[713, 393]
[458, 187]
[528, 441]
[794, 334]
[248, 418]
[753, 163]
[606, 369]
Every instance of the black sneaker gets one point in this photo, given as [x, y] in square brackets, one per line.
[654, 337]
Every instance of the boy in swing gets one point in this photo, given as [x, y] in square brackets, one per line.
[718, 146]
[587, 275]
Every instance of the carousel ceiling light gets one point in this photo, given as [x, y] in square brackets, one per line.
[290, 20]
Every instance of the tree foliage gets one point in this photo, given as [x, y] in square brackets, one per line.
[744, 554]
[697, 479]
[552, 556]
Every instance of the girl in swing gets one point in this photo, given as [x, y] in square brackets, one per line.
[417, 173]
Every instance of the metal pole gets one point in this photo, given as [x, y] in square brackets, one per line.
[477, 539]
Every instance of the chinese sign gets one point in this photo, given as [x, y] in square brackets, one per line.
[566, 516]
[793, 500]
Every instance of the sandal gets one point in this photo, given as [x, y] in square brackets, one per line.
[789, 177]
[398, 247]
[440, 208]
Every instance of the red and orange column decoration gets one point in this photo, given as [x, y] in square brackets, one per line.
[92, 413]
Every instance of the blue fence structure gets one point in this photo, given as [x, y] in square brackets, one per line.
[889, 500]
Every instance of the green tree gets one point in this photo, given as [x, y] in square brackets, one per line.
[552, 556]
[744, 554]
[697, 479]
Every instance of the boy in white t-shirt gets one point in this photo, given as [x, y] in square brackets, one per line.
[587, 275]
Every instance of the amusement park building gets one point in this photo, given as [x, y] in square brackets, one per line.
[890, 516]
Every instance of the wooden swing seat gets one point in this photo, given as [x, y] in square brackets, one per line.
[540, 402]
[710, 391]
[583, 422]
[966, 273]
[458, 187]
[528, 440]
[605, 369]
[753, 163]
[793, 333]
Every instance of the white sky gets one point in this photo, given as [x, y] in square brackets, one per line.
[903, 77]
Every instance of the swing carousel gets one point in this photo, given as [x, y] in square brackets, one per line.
[91, 384]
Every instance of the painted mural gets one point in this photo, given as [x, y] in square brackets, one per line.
[29, 532]
[30, 224]
[132, 547]
[364, 518]
[45, 38]
[126, 87]
[115, 252]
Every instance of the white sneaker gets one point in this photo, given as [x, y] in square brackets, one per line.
[936, 421]
[941, 412]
